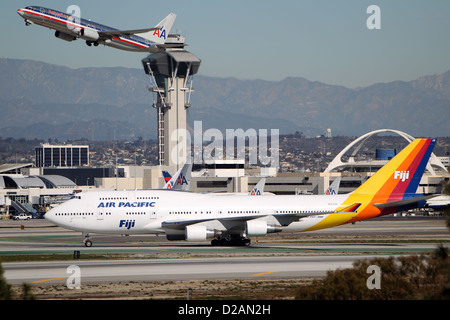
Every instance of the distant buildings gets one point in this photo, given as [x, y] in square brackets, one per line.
[62, 156]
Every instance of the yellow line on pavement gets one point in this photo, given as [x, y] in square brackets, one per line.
[261, 274]
[45, 280]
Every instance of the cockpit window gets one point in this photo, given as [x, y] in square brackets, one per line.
[75, 197]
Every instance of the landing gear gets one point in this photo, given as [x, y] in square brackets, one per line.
[231, 242]
[89, 43]
[87, 241]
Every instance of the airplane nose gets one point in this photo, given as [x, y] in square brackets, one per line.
[20, 12]
[50, 215]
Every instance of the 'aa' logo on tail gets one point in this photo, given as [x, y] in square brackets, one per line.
[160, 33]
[401, 175]
[182, 180]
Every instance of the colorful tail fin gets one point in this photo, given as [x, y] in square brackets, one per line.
[160, 35]
[166, 176]
[394, 183]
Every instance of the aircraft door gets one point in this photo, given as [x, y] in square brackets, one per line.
[100, 215]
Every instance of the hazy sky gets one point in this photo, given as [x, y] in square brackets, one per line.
[320, 40]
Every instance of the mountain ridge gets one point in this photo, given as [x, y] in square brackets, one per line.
[36, 92]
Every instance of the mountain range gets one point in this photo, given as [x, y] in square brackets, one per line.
[41, 100]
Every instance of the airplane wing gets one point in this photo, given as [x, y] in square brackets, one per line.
[350, 208]
[119, 33]
[284, 219]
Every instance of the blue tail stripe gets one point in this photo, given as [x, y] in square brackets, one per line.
[414, 184]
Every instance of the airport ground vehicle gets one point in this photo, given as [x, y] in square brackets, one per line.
[22, 216]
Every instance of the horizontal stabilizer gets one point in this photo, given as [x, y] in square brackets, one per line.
[404, 202]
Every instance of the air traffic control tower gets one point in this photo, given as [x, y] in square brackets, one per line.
[171, 74]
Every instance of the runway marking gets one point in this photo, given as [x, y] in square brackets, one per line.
[45, 280]
[261, 274]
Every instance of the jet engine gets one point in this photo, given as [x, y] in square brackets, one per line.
[257, 228]
[64, 36]
[199, 233]
[89, 34]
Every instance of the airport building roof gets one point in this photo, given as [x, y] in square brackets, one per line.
[55, 181]
[43, 182]
[13, 168]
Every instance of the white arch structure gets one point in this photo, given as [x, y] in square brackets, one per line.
[338, 163]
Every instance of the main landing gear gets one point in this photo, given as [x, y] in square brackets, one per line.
[87, 241]
[231, 242]
[89, 43]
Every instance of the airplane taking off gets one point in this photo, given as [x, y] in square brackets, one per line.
[69, 28]
[233, 219]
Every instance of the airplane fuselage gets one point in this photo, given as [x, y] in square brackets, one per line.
[69, 28]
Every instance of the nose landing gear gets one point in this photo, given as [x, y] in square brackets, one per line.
[87, 241]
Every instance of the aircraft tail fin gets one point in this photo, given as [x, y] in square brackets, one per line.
[259, 188]
[170, 181]
[396, 181]
[166, 176]
[181, 180]
[333, 189]
[161, 34]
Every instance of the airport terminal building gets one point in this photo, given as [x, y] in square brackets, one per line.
[62, 155]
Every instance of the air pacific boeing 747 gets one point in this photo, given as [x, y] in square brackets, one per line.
[234, 219]
[69, 28]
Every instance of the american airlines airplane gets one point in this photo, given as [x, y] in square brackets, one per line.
[234, 219]
[181, 180]
[70, 28]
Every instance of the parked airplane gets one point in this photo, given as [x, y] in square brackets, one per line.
[234, 219]
[181, 180]
[70, 28]
[333, 189]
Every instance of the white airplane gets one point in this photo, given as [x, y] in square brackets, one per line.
[234, 219]
[70, 28]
